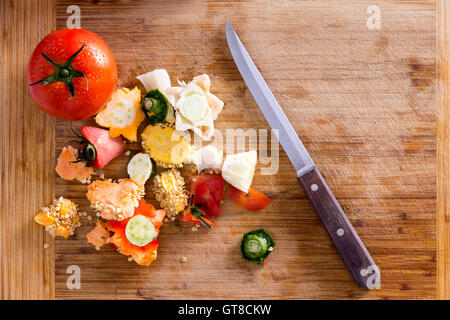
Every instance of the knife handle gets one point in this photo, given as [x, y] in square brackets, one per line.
[350, 247]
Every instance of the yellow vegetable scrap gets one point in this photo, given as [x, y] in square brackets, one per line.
[166, 146]
[122, 114]
[60, 218]
[170, 192]
[115, 200]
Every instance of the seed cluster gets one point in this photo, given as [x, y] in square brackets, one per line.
[170, 192]
[60, 218]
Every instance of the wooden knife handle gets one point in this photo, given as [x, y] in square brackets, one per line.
[350, 247]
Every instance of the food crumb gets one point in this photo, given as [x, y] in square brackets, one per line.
[89, 218]
[270, 249]
[127, 153]
[183, 259]
[46, 245]
[194, 228]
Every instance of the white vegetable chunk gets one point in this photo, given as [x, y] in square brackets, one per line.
[208, 157]
[196, 107]
[238, 169]
[156, 79]
[193, 105]
[215, 104]
[170, 118]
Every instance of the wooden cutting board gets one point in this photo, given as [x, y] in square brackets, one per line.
[362, 99]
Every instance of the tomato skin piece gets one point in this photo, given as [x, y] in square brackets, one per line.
[206, 201]
[106, 147]
[148, 210]
[251, 201]
[95, 61]
[214, 183]
[207, 192]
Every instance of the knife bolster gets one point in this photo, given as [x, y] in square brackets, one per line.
[305, 169]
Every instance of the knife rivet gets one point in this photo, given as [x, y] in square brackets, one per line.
[340, 232]
[314, 187]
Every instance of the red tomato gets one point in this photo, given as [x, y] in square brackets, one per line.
[95, 62]
[252, 201]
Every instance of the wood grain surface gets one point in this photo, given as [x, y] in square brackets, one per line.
[27, 146]
[443, 137]
[362, 100]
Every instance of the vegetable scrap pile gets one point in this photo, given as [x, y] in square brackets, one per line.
[172, 114]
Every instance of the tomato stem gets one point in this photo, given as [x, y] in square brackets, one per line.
[197, 213]
[64, 72]
[89, 153]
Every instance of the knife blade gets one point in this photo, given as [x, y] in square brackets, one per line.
[354, 254]
[269, 106]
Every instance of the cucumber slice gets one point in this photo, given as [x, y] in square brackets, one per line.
[256, 245]
[140, 231]
[141, 168]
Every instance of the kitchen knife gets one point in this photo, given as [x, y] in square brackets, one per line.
[350, 247]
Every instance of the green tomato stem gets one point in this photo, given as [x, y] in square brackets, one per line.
[64, 72]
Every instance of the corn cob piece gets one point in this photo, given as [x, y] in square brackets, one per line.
[170, 192]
